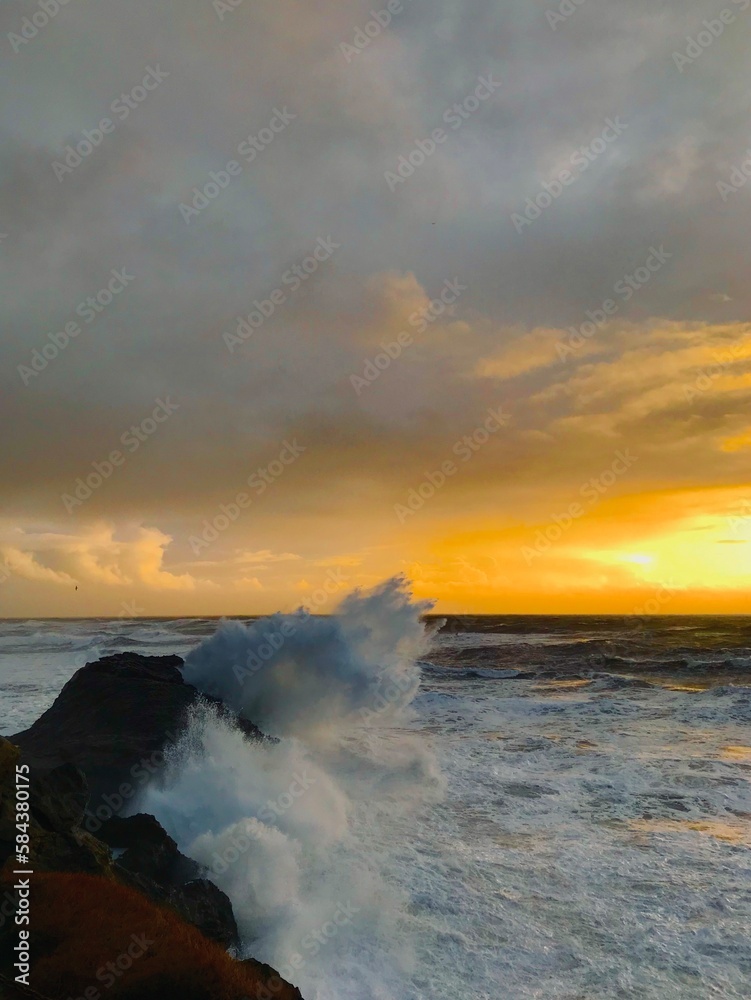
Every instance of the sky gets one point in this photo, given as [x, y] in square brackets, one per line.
[298, 296]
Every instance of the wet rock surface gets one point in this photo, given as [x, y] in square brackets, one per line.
[103, 739]
[113, 720]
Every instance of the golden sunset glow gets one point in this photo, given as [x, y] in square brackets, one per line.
[506, 525]
[305, 338]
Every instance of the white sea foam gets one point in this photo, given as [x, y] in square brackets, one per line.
[591, 841]
[292, 830]
[294, 673]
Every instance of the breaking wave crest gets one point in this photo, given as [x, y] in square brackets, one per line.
[289, 673]
[292, 830]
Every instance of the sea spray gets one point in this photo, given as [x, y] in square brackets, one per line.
[513, 891]
[290, 830]
[294, 673]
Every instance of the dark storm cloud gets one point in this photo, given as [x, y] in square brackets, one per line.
[321, 177]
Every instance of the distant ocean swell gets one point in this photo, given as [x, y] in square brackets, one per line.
[479, 806]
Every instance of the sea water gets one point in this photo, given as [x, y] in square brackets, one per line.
[490, 808]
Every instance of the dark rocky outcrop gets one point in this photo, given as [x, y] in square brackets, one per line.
[56, 843]
[204, 905]
[89, 754]
[132, 831]
[11, 990]
[85, 926]
[113, 720]
[110, 718]
[152, 863]
[59, 796]
[149, 850]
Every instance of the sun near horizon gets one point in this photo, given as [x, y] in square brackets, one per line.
[341, 311]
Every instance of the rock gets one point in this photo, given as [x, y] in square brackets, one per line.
[149, 850]
[162, 863]
[199, 902]
[204, 905]
[9, 756]
[59, 797]
[132, 831]
[102, 740]
[272, 980]
[56, 798]
[11, 990]
[153, 864]
[135, 666]
[83, 922]
[166, 875]
[113, 720]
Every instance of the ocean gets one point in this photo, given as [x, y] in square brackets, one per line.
[507, 808]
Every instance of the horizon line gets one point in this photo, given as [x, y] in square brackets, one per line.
[432, 614]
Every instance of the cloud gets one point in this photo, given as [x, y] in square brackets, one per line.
[738, 443]
[525, 352]
[97, 555]
[323, 177]
[24, 565]
[264, 558]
